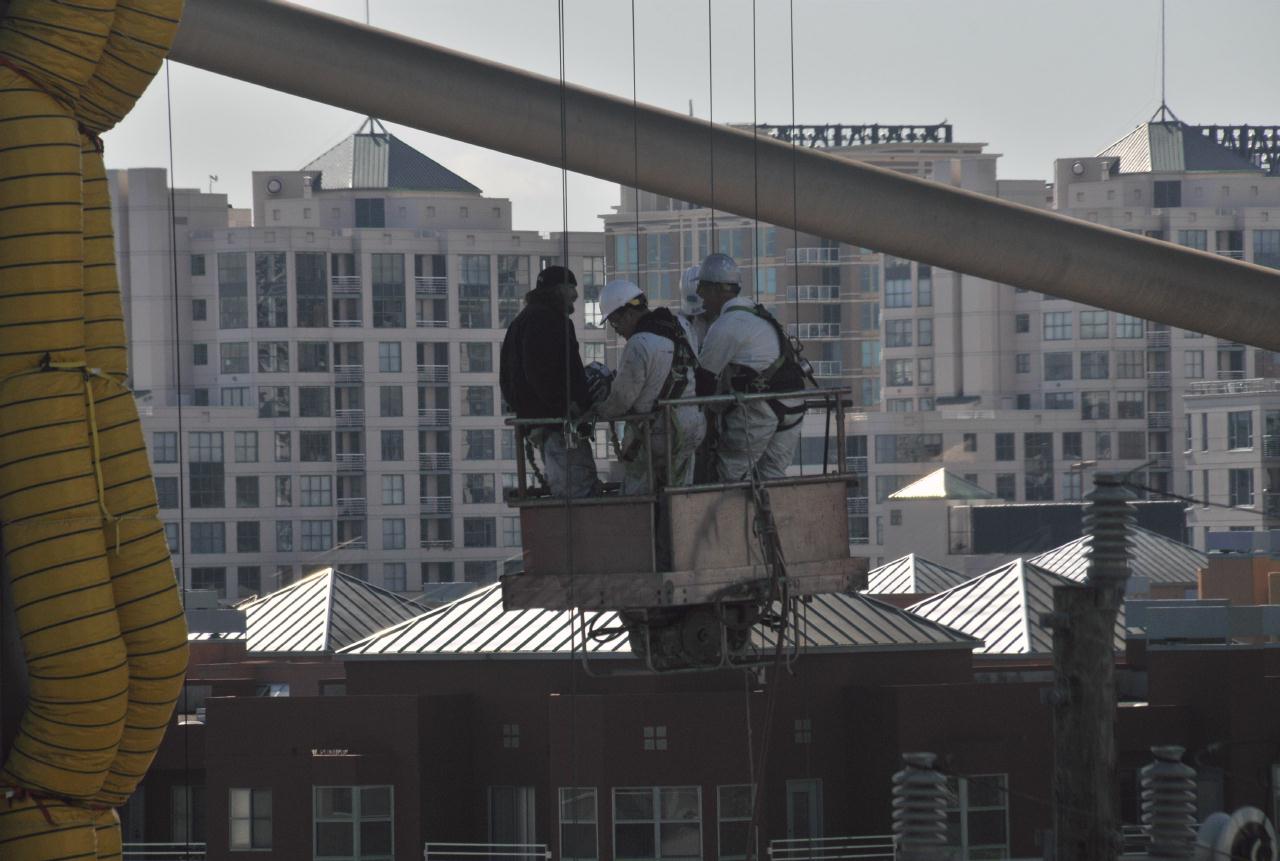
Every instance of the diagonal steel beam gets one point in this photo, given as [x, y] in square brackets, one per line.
[332, 60]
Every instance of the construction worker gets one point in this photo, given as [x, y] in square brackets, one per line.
[541, 376]
[746, 351]
[656, 364]
[692, 315]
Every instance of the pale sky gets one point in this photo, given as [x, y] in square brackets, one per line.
[1034, 79]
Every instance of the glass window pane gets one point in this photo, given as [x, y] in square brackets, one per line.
[634, 841]
[681, 840]
[240, 834]
[375, 800]
[240, 803]
[632, 804]
[375, 838]
[334, 839]
[333, 801]
[262, 833]
[680, 802]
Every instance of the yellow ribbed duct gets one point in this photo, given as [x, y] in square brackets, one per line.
[93, 588]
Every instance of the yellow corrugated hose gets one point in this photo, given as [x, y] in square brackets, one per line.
[93, 589]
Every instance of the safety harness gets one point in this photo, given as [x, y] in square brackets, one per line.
[663, 323]
[787, 373]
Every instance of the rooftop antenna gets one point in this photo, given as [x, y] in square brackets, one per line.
[1163, 112]
[213, 177]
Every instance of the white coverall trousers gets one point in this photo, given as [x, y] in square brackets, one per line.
[749, 435]
[691, 428]
[569, 471]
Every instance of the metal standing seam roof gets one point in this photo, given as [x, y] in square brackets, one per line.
[911, 575]
[1151, 555]
[380, 160]
[1002, 608]
[941, 484]
[1172, 147]
[322, 613]
[477, 626]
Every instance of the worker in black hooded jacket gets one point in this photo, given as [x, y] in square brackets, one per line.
[541, 376]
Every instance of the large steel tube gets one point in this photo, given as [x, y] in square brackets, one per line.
[333, 60]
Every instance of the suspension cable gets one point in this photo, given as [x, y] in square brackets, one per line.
[711, 127]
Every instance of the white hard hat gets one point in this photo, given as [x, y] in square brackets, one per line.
[690, 301]
[719, 269]
[616, 294]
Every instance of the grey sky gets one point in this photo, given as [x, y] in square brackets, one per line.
[1034, 79]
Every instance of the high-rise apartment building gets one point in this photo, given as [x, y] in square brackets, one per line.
[1023, 393]
[319, 383]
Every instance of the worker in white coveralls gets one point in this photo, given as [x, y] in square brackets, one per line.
[746, 351]
[656, 364]
[692, 316]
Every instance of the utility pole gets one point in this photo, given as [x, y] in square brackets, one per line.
[1085, 796]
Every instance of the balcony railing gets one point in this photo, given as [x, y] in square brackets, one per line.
[430, 461]
[433, 373]
[350, 462]
[348, 324]
[813, 255]
[345, 285]
[827, 368]
[874, 847]
[856, 504]
[1271, 505]
[436, 543]
[1159, 379]
[436, 504]
[815, 293]
[432, 324]
[1160, 459]
[352, 506]
[815, 330]
[348, 373]
[430, 285]
[355, 542]
[1234, 386]
[856, 464]
[164, 851]
[349, 418]
[1231, 375]
[429, 417]
[1159, 420]
[1270, 445]
[1157, 337]
[1233, 253]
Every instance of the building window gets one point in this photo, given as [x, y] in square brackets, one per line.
[478, 488]
[1005, 445]
[1059, 401]
[578, 838]
[273, 357]
[898, 372]
[208, 537]
[1057, 326]
[1022, 363]
[164, 447]
[246, 446]
[234, 357]
[392, 445]
[207, 479]
[924, 285]
[924, 332]
[284, 536]
[272, 283]
[284, 491]
[199, 354]
[199, 310]
[804, 728]
[1072, 485]
[1240, 486]
[924, 370]
[476, 357]
[1007, 486]
[390, 401]
[1037, 456]
[284, 446]
[511, 532]
[393, 490]
[313, 357]
[655, 737]
[1095, 405]
[513, 283]
[394, 576]
[474, 296]
[273, 402]
[1130, 364]
[1128, 327]
[1131, 445]
[173, 537]
[246, 491]
[315, 446]
[479, 571]
[657, 822]
[1167, 193]
[248, 536]
[479, 532]
[477, 400]
[234, 396]
[393, 533]
[354, 823]
[315, 490]
[1129, 405]
[187, 813]
[733, 814]
[1093, 324]
[233, 291]
[511, 735]
[371, 212]
[1094, 365]
[317, 535]
[197, 266]
[166, 492]
[1240, 429]
[1072, 445]
[250, 819]
[1021, 323]
[897, 333]
[978, 815]
[1102, 445]
[313, 402]
[477, 445]
[1059, 366]
[1193, 364]
[897, 283]
[389, 357]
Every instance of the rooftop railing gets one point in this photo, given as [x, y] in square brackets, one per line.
[1233, 386]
